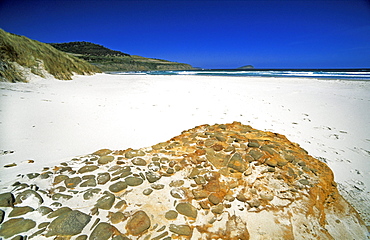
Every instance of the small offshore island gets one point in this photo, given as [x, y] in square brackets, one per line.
[108, 156]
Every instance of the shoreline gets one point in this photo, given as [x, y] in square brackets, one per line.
[49, 121]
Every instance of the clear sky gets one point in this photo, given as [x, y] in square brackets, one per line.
[208, 34]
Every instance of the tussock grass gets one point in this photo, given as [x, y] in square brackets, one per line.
[37, 56]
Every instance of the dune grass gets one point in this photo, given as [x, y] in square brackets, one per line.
[36, 56]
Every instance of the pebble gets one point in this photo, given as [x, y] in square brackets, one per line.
[256, 154]
[147, 191]
[214, 199]
[157, 186]
[6, 199]
[138, 223]
[2, 215]
[200, 194]
[106, 201]
[103, 231]
[43, 224]
[69, 223]
[28, 194]
[120, 204]
[271, 162]
[103, 152]
[59, 212]
[181, 229]
[187, 209]
[44, 210]
[82, 237]
[72, 182]
[117, 217]
[177, 183]
[177, 193]
[105, 159]
[133, 181]
[134, 153]
[58, 196]
[268, 149]
[32, 175]
[253, 144]
[90, 193]
[218, 209]
[304, 181]
[89, 183]
[171, 215]
[152, 176]
[88, 168]
[16, 225]
[138, 162]
[103, 178]
[254, 203]
[10, 165]
[118, 186]
[60, 178]
[237, 163]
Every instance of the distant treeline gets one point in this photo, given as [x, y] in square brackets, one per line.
[88, 48]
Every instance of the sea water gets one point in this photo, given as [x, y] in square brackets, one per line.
[355, 74]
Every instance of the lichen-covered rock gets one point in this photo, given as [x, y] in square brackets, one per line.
[68, 224]
[224, 181]
[16, 225]
[138, 223]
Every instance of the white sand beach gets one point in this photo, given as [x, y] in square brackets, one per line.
[50, 121]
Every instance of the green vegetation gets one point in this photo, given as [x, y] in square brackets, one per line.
[109, 60]
[17, 52]
[87, 48]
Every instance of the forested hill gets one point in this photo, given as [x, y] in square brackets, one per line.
[110, 60]
[87, 48]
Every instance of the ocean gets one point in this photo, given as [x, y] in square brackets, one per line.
[340, 74]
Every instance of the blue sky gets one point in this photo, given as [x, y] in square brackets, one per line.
[208, 34]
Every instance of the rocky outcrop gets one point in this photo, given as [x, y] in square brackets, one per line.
[225, 181]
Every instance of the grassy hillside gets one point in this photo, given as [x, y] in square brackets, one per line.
[16, 51]
[110, 60]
